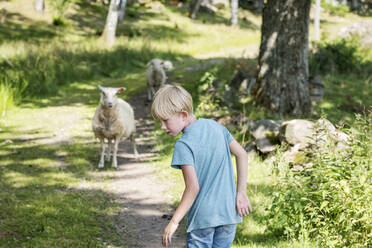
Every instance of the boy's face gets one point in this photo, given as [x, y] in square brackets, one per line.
[174, 124]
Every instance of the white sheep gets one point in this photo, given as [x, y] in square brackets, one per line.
[156, 76]
[113, 121]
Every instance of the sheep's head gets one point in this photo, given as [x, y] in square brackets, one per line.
[108, 96]
[167, 65]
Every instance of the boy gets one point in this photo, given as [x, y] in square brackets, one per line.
[210, 199]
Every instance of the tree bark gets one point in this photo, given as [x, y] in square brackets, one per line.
[234, 12]
[123, 3]
[282, 79]
[111, 22]
[355, 5]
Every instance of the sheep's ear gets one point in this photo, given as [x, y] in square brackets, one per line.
[122, 89]
[100, 87]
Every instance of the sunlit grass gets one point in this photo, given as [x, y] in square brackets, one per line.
[42, 202]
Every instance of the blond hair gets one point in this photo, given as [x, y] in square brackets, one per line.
[170, 100]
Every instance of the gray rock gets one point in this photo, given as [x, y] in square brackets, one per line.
[243, 82]
[264, 145]
[316, 89]
[220, 4]
[251, 150]
[297, 132]
[260, 128]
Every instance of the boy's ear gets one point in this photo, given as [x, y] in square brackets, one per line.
[184, 114]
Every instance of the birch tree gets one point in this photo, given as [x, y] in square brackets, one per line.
[39, 6]
[111, 22]
[123, 4]
[234, 12]
[317, 20]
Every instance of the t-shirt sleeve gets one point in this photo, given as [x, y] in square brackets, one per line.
[182, 155]
[228, 136]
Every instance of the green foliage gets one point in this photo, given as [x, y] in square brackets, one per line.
[330, 200]
[336, 10]
[206, 81]
[6, 99]
[59, 21]
[207, 105]
[206, 95]
[343, 56]
[43, 72]
[60, 7]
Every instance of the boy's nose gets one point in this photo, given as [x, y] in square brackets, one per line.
[163, 127]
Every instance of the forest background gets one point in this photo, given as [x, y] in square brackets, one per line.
[52, 62]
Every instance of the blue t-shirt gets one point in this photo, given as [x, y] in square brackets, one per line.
[205, 145]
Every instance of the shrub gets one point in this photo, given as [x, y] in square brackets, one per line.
[206, 104]
[60, 8]
[336, 10]
[331, 200]
[59, 21]
[339, 56]
[42, 72]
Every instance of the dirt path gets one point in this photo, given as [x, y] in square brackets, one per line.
[141, 195]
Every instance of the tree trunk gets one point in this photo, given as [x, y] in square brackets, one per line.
[111, 22]
[123, 3]
[355, 5]
[39, 6]
[317, 20]
[194, 8]
[282, 80]
[234, 12]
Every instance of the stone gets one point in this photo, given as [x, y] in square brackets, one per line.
[297, 131]
[264, 145]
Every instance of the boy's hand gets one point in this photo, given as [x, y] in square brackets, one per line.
[168, 233]
[243, 206]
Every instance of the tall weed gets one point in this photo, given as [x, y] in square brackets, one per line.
[41, 72]
[6, 99]
[329, 201]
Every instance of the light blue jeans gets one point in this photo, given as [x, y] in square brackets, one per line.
[212, 237]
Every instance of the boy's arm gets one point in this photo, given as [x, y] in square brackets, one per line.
[243, 205]
[188, 198]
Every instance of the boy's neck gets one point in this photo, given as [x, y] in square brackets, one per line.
[189, 121]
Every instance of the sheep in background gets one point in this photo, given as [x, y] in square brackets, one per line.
[156, 75]
[113, 121]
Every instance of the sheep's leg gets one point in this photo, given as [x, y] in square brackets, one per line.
[101, 161]
[109, 150]
[114, 159]
[149, 95]
[133, 140]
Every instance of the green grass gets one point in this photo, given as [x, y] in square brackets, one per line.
[50, 195]
[43, 199]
